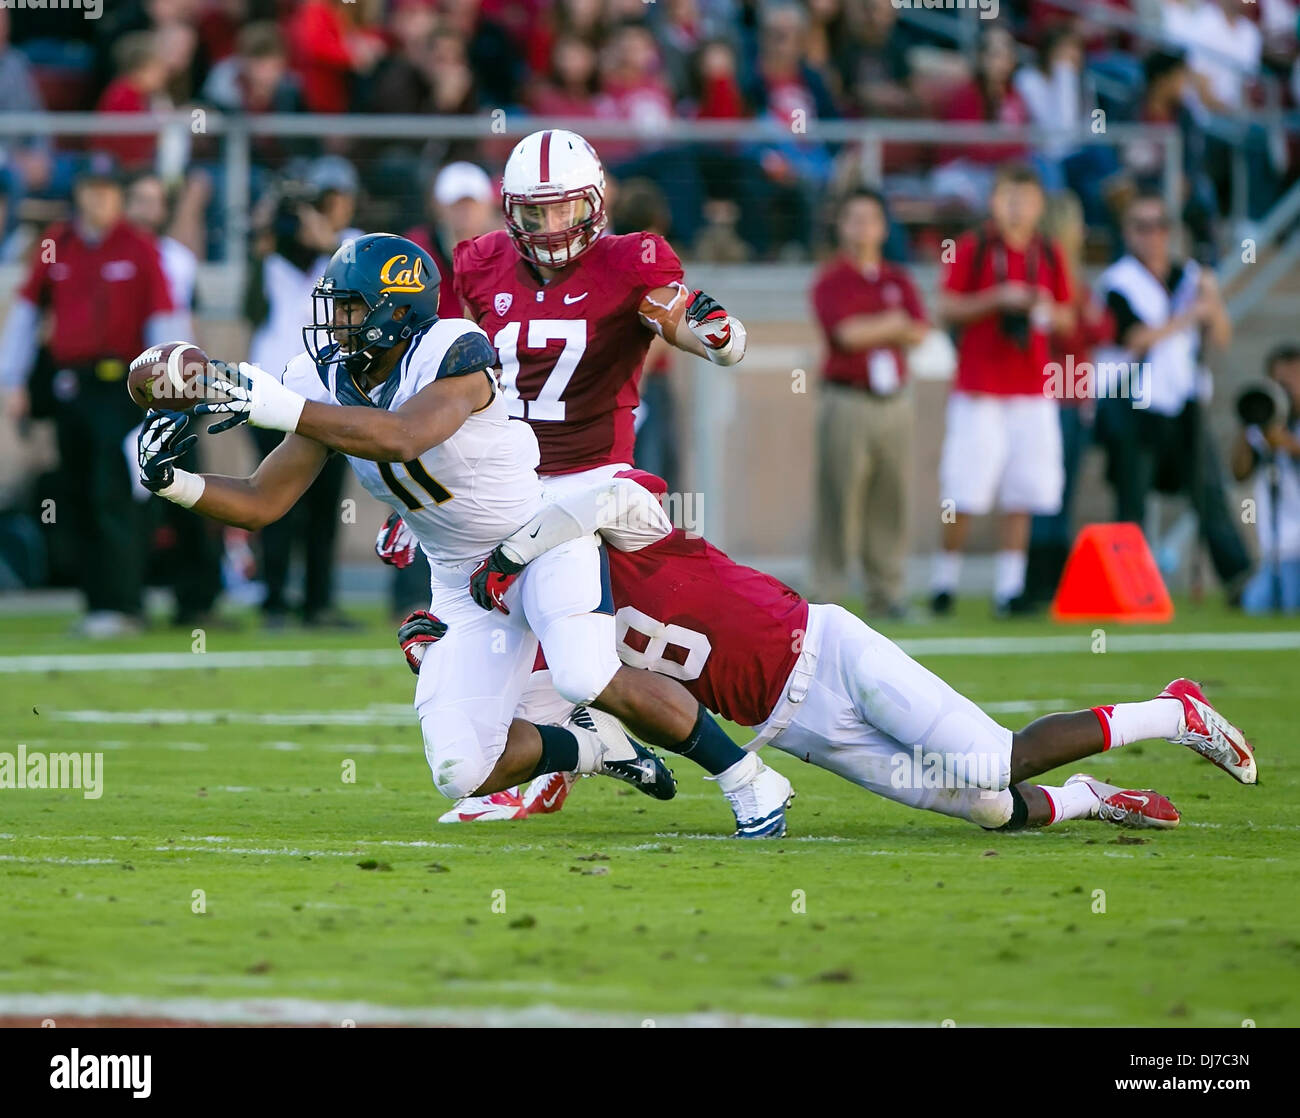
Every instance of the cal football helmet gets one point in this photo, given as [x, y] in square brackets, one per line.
[553, 196]
[397, 283]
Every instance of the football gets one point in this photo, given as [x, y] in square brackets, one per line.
[168, 377]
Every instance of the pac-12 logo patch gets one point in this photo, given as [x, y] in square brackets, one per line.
[502, 301]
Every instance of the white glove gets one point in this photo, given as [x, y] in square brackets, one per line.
[722, 335]
[254, 396]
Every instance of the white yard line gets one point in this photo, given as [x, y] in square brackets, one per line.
[374, 716]
[1077, 642]
[301, 1011]
[185, 661]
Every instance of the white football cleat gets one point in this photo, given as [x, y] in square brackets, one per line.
[486, 809]
[1205, 730]
[1128, 808]
[546, 794]
[619, 756]
[758, 796]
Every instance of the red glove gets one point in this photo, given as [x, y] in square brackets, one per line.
[396, 543]
[708, 320]
[492, 578]
[416, 633]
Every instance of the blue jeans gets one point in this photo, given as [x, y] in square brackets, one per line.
[1261, 593]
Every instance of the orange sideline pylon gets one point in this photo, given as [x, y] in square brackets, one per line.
[1111, 575]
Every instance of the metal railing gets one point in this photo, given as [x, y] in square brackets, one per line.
[175, 132]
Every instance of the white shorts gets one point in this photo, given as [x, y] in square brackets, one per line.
[471, 681]
[1003, 449]
[858, 705]
[560, 484]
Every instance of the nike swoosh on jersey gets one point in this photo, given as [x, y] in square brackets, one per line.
[575, 298]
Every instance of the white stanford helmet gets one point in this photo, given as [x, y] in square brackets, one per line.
[547, 168]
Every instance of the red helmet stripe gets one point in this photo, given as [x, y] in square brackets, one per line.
[546, 157]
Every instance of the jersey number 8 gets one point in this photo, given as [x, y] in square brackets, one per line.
[657, 638]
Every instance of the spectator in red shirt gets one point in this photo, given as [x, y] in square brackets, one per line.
[967, 170]
[98, 285]
[870, 313]
[633, 89]
[142, 77]
[327, 50]
[1006, 288]
[570, 90]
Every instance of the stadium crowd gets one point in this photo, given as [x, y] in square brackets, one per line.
[1015, 290]
[1202, 65]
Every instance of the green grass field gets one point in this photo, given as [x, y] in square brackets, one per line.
[229, 778]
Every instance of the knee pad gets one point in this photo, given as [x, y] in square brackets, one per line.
[580, 653]
[459, 760]
[989, 810]
[583, 681]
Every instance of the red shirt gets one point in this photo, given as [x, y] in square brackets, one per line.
[967, 104]
[571, 350]
[729, 633]
[841, 290]
[321, 56]
[131, 152]
[100, 295]
[989, 360]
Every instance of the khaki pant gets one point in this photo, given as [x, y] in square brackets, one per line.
[864, 449]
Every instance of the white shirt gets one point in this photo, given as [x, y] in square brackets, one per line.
[181, 267]
[469, 492]
[1225, 52]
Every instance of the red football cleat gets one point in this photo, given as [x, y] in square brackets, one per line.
[486, 809]
[547, 793]
[1128, 808]
[1205, 730]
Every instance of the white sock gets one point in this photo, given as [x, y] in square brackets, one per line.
[1074, 801]
[944, 571]
[594, 750]
[740, 774]
[1125, 723]
[1009, 575]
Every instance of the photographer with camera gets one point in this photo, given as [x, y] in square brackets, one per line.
[302, 223]
[1006, 289]
[1167, 312]
[1268, 448]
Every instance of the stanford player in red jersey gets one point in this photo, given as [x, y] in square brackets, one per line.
[572, 312]
[818, 683]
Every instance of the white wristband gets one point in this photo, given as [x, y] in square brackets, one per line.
[185, 490]
[274, 406]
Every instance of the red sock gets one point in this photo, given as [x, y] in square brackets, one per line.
[1103, 716]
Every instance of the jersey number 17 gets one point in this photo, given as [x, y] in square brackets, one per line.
[548, 405]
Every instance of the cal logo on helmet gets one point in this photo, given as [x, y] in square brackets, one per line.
[404, 279]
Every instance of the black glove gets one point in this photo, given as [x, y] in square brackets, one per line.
[158, 447]
[492, 578]
[416, 633]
